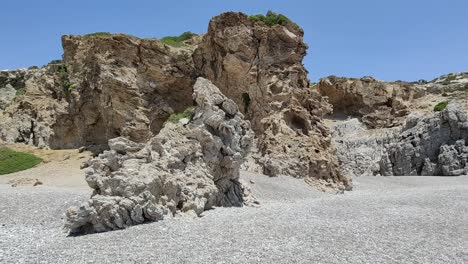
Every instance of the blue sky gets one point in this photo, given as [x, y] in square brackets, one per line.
[388, 39]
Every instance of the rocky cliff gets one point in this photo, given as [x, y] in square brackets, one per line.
[109, 86]
[260, 68]
[106, 86]
[421, 141]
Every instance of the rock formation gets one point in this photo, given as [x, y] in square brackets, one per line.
[432, 144]
[184, 169]
[378, 104]
[38, 101]
[109, 86]
[260, 68]
[106, 86]
[360, 150]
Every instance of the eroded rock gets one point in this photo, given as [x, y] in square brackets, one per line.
[260, 68]
[431, 144]
[184, 169]
[378, 104]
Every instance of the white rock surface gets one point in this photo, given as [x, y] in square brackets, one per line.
[184, 169]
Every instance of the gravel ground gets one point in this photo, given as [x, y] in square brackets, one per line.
[384, 220]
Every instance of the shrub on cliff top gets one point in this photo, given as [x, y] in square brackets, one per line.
[99, 34]
[271, 18]
[176, 41]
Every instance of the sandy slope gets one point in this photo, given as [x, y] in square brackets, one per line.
[384, 220]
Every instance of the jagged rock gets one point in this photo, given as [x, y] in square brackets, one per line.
[378, 104]
[38, 99]
[359, 151]
[105, 87]
[428, 144]
[425, 140]
[7, 95]
[184, 169]
[260, 68]
[453, 159]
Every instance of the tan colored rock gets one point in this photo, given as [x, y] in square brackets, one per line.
[377, 103]
[106, 86]
[260, 68]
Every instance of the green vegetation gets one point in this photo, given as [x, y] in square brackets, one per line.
[271, 19]
[99, 34]
[187, 113]
[66, 84]
[246, 100]
[20, 92]
[12, 161]
[177, 41]
[441, 106]
[54, 62]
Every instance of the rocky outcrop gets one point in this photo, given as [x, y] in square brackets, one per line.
[378, 104]
[428, 144]
[39, 99]
[449, 83]
[184, 169]
[260, 68]
[431, 145]
[106, 86]
[115, 85]
[360, 150]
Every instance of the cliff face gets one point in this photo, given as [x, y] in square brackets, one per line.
[378, 104]
[124, 87]
[109, 86]
[260, 68]
[105, 87]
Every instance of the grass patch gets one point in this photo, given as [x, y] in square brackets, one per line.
[271, 19]
[441, 106]
[12, 161]
[176, 117]
[177, 41]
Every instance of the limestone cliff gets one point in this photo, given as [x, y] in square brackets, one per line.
[260, 68]
[117, 85]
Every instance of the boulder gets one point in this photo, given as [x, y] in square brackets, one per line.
[185, 169]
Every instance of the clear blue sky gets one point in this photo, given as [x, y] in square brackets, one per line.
[388, 39]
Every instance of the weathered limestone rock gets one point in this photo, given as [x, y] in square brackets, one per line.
[125, 86]
[260, 68]
[359, 150]
[425, 142]
[428, 144]
[378, 104]
[184, 169]
[107, 86]
[39, 99]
